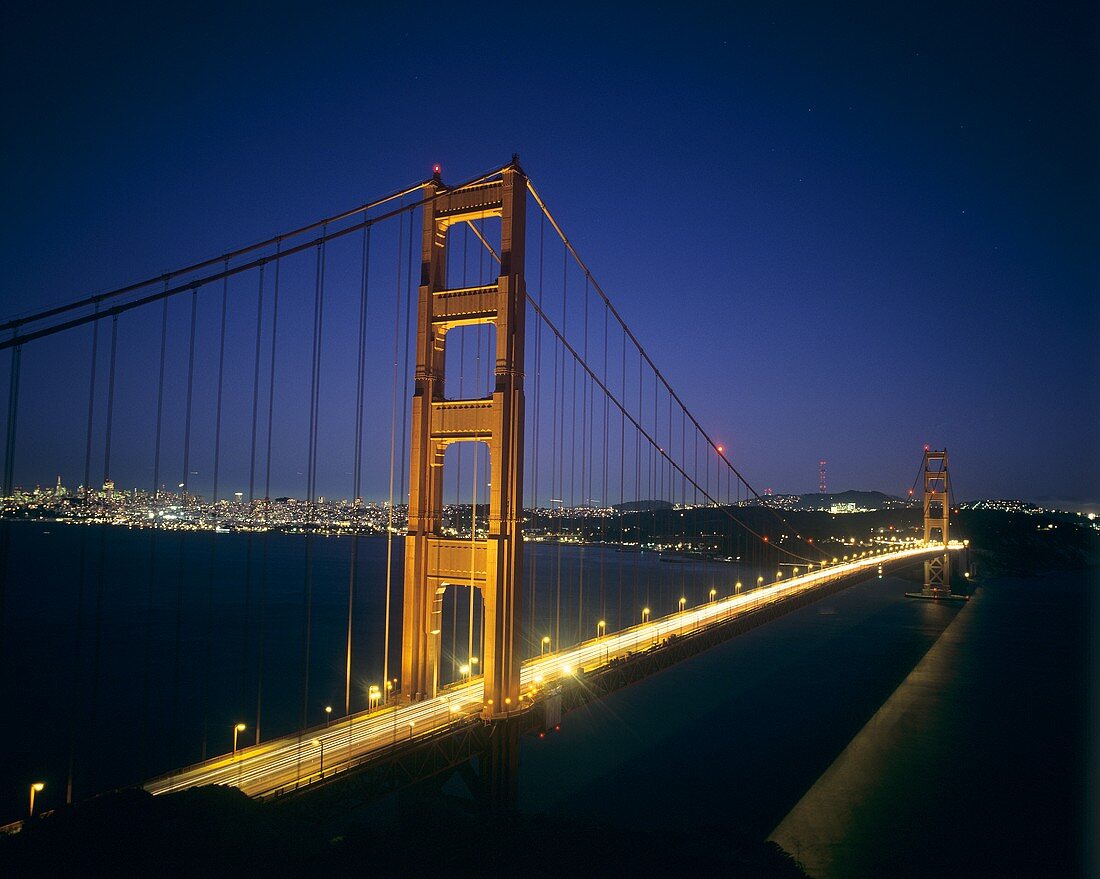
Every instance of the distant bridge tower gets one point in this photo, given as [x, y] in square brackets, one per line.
[434, 562]
[937, 570]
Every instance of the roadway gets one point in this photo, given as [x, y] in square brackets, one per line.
[284, 762]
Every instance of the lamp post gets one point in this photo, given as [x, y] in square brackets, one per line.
[328, 714]
[601, 628]
[645, 614]
[317, 743]
[237, 729]
[683, 601]
[713, 593]
[464, 670]
[545, 644]
[373, 697]
[36, 788]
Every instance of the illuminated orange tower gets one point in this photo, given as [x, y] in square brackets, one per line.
[937, 570]
[434, 562]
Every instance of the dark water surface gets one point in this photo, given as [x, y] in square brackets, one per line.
[948, 742]
[849, 730]
[975, 765]
[146, 645]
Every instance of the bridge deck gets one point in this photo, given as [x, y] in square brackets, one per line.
[291, 761]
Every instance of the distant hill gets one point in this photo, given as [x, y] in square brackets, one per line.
[641, 506]
[868, 500]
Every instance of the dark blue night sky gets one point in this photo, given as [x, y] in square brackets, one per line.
[842, 232]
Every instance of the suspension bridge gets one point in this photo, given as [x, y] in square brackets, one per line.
[533, 516]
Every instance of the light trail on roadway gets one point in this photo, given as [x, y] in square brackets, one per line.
[297, 759]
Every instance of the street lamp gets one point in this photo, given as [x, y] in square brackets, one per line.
[373, 696]
[737, 587]
[760, 580]
[601, 628]
[545, 644]
[464, 670]
[683, 601]
[328, 714]
[713, 592]
[317, 743]
[238, 728]
[36, 788]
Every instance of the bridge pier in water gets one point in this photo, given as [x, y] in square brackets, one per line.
[433, 562]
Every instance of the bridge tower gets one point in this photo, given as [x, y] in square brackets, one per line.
[432, 561]
[937, 570]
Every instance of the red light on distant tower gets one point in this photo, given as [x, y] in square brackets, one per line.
[436, 169]
[721, 449]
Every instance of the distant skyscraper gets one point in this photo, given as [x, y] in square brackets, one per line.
[822, 484]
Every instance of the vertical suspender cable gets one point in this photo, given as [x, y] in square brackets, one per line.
[622, 495]
[221, 376]
[9, 486]
[74, 694]
[560, 450]
[311, 486]
[584, 462]
[13, 412]
[151, 580]
[247, 614]
[183, 488]
[267, 495]
[101, 573]
[393, 452]
[532, 592]
[406, 394]
[357, 462]
[256, 389]
[603, 468]
[208, 646]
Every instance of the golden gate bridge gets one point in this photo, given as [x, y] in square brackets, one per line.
[482, 401]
